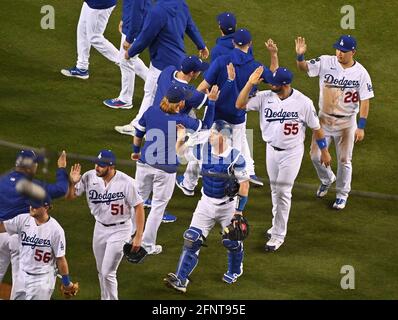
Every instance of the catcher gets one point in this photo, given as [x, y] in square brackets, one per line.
[42, 251]
[224, 196]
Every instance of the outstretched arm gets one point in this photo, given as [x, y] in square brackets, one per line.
[254, 80]
[273, 51]
[74, 178]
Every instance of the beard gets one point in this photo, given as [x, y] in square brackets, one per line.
[279, 90]
[103, 174]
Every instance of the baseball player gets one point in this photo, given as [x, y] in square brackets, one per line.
[13, 203]
[93, 19]
[163, 32]
[42, 249]
[345, 89]
[284, 114]
[113, 198]
[133, 15]
[218, 162]
[157, 161]
[224, 44]
[244, 64]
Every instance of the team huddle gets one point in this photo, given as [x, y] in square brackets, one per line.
[167, 132]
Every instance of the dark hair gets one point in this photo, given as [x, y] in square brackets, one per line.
[227, 32]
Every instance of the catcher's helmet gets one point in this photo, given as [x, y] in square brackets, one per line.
[223, 127]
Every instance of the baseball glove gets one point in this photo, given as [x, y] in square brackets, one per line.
[231, 187]
[134, 256]
[71, 291]
[237, 230]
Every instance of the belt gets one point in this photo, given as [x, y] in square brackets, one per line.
[278, 149]
[336, 116]
[35, 274]
[112, 224]
[226, 201]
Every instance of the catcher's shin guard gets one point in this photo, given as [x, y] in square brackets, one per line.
[193, 240]
[235, 256]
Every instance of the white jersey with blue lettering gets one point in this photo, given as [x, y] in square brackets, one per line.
[111, 203]
[340, 90]
[283, 122]
[39, 245]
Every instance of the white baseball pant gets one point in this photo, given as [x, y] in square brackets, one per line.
[130, 68]
[5, 255]
[38, 286]
[108, 251]
[161, 185]
[90, 32]
[239, 141]
[149, 92]
[283, 168]
[344, 143]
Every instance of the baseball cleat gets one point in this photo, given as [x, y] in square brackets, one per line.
[168, 218]
[148, 203]
[172, 281]
[76, 73]
[157, 249]
[273, 244]
[339, 204]
[126, 129]
[117, 104]
[324, 188]
[229, 277]
[268, 235]
[180, 184]
[256, 180]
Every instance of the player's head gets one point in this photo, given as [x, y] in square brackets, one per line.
[174, 100]
[40, 208]
[220, 133]
[242, 39]
[192, 66]
[346, 47]
[280, 80]
[226, 22]
[105, 163]
[27, 161]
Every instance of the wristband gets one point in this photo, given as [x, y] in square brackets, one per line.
[362, 123]
[240, 204]
[300, 57]
[322, 143]
[136, 149]
[65, 280]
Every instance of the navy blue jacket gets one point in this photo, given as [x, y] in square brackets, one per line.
[133, 16]
[163, 32]
[12, 203]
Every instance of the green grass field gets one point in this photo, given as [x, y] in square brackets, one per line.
[42, 108]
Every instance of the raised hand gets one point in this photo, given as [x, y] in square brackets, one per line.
[181, 132]
[255, 77]
[231, 71]
[62, 160]
[75, 173]
[271, 46]
[204, 53]
[301, 46]
[213, 94]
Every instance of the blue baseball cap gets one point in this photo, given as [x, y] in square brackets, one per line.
[176, 94]
[227, 22]
[26, 158]
[242, 37]
[105, 158]
[280, 77]
[40, 203]
[193, 63]
[346, 43]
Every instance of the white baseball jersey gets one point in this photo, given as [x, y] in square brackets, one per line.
[283, 122]
[340, 89]
[113, 203]
[39, 246]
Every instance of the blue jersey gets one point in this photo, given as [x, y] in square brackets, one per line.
[163, 32]
[217, 169]
[100, 4]
[167, 79]
[159, 150]
[133, 16]
[224, 46]
[245, 65]
[12, 203]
